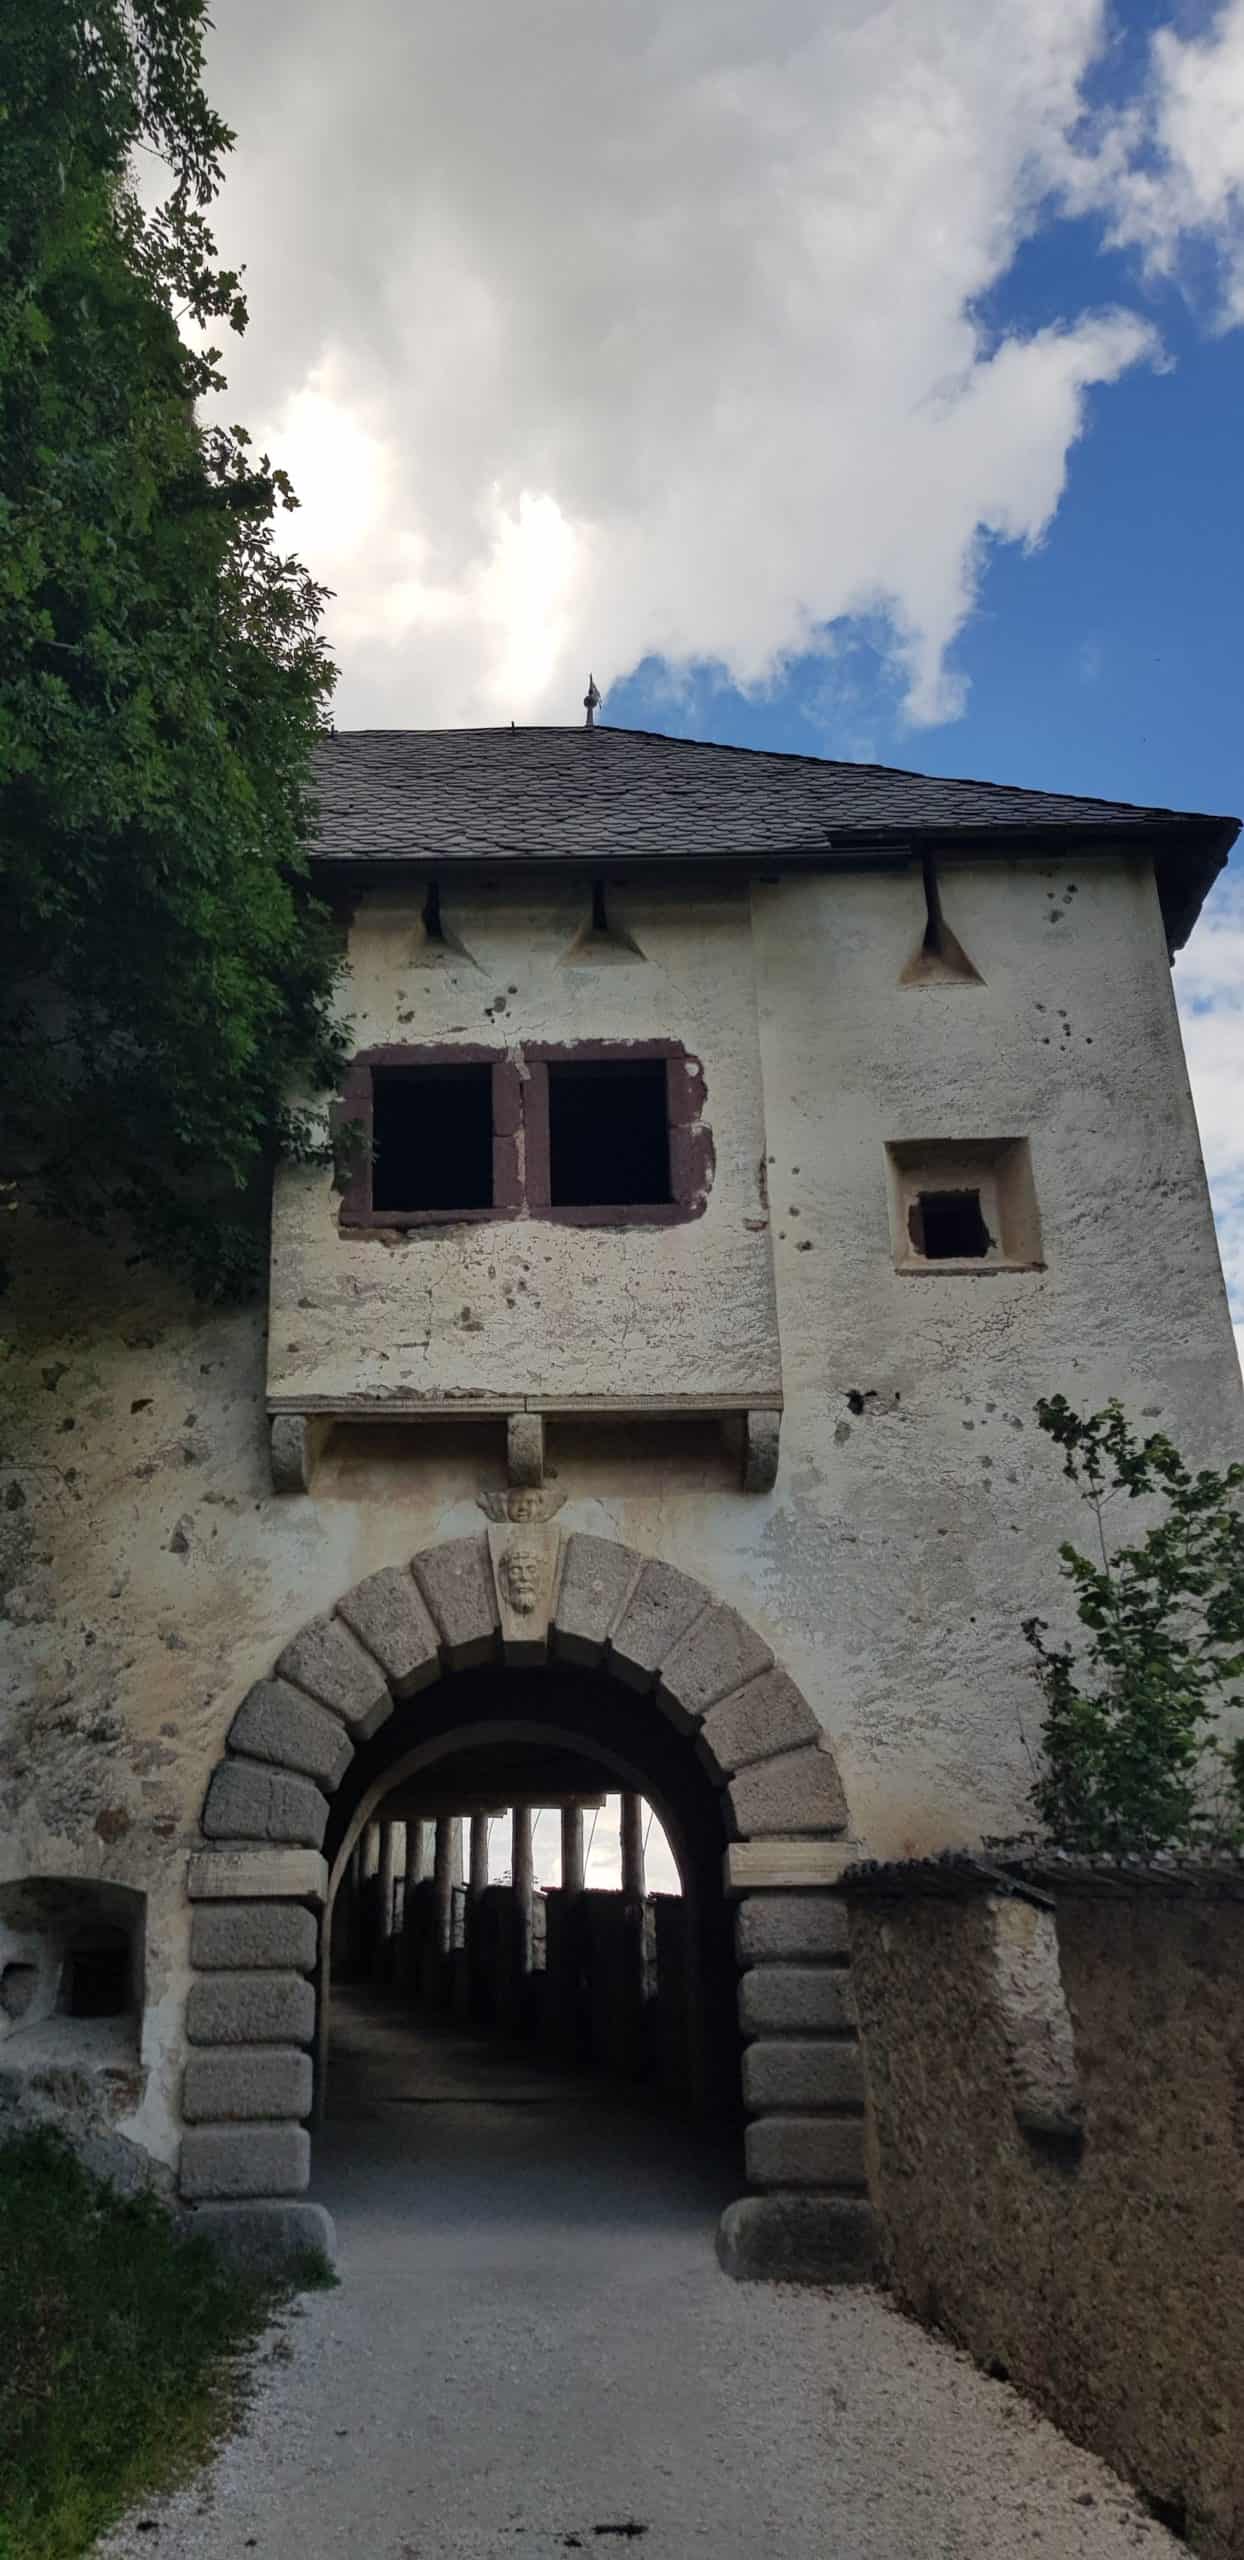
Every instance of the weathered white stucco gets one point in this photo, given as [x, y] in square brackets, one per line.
[628, 1314]
[151, 1574]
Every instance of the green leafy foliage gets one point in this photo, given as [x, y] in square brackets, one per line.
[166, 976]
[118, 2340]
[1131, 1758]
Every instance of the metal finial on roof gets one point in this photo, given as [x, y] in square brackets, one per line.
[591, 702]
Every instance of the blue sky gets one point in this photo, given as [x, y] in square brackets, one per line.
[1107, 658]
[862, 377]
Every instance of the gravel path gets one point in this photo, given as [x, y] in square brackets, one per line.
[532, 2351]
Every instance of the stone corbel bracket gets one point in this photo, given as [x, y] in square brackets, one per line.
[296, 1440]
[761, 1442]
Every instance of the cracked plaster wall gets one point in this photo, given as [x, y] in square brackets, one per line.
[148, 1575]
[675, 1311]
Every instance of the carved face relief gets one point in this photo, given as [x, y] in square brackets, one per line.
[522, 1567]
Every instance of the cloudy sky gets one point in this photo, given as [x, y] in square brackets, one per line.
[859, 376]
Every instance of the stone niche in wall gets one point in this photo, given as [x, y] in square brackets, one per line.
[71, 1973]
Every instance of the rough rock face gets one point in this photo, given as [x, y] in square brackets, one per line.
[1096, 2262]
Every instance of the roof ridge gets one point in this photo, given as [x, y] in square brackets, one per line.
[778, 755]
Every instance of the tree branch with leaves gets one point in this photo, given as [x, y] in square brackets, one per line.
[1132, 1758]
[167, 975]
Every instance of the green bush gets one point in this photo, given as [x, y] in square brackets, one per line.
[118, 2346]
[1130, 1757]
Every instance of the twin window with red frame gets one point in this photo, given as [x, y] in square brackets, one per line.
[599, 1133]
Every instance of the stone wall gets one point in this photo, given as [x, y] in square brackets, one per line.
[149, 1575]
[1062, 2186]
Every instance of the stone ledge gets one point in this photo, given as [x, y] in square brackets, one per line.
[787, 1864]
[800, 2239]
[243, 1873]
[270, 2237]
[1038, 1873]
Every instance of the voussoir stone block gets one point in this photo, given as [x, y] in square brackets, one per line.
[806, 2151]
[231, 1937]
[275, 1722]
[796, 1999]
[331, 1665]
[390, 1616]
[661, 1607]
[248, 1801]
[803, 2074]
[799, 1792]
[783, 1928]
[243, 2081]
[245, 2160]
[250, 2008]
[596, 1577]
[770, 1714]
[456, 1582]
[712, 1658]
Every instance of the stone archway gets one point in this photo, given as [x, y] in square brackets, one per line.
[258, 1882]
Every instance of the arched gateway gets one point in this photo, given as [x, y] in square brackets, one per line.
[541, 1636]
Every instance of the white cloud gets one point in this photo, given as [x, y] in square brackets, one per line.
[1209, 982]
[591, 334]
[1170, 170]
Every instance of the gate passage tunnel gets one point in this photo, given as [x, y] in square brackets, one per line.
[445, 1913]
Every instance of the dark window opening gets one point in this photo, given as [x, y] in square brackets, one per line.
[97, 1975]
[431, 1138]
[947, 1226]
[18, 1982]
[609, 1140]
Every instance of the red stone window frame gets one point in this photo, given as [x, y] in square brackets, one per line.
[690, 1142]
[354, 1112]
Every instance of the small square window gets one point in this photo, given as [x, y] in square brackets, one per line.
[963, 1204]
[609, 1137]
[947, 1226]
[431, 1138]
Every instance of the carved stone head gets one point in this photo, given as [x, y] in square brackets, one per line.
[522, 1567]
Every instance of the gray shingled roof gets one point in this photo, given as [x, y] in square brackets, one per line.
[604, 797]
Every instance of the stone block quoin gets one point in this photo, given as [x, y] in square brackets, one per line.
[658, 1631]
